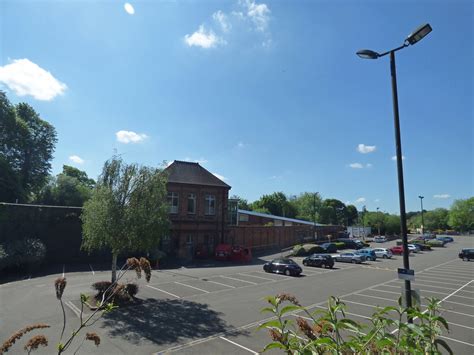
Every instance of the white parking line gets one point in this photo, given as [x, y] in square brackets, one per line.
[461, 304]
[350, 313]
[455, 340]
[232, 278]
[64, 268]
[218, 283]
[425, 285]
[93, 273]
[196, 288]
[240, 346]
[456, 275]
[73, 308]
[376, 290]
[169, 293]
[438, 276]
[437, 279]
[257, 277]
[380, 298]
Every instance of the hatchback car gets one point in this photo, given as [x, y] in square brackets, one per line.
[283, 266]
[413, 248]
[350, 258]
[329, 247]
[319, 260]
[467, 254]
[383, 253]
[368, 253]
[445, 239]
[398, 250]
[380, 239]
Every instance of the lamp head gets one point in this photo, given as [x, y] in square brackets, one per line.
[418, 34]
[367, 54]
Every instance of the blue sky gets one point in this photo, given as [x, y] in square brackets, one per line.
[268, 94]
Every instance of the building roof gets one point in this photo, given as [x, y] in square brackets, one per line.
[271, 216]
[183, 172]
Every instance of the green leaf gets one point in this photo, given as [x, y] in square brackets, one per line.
[274, 345]
[289, 308]
[267, 310]
[275, 323]
[350, 324]
[384, 342]
[416, 329]
[271, 300]
[442, 321]
[444, 345]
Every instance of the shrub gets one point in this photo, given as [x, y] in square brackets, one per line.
[340, 245]
[314, 249]
[101, 287]
[3, 257]
[25, 252]
[131, 289]
[298, 250]
[120, 293]
[435, 243]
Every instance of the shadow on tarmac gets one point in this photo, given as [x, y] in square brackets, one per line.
[163, 322]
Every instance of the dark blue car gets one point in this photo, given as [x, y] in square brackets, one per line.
[445, 239]
[368, 253]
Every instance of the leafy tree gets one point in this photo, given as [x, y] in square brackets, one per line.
[333, 211]
[307, 205]
[351, 214]
[80, 175]
[10, 189]
[26, 144]
[128, 211]
[243, 203]
[277, 204]
[461, 214]
[435, 219]
[391, 224]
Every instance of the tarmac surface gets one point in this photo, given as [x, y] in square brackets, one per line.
[214, 308]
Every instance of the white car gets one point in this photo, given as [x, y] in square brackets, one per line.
[413, 248]
[383, 253]
[380, 239]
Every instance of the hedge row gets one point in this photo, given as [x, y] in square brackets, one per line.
[23, 253]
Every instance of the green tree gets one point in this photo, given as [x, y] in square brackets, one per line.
[243, 203]
[128, 211]
[351, 214]
[391, 224]
[277, 204]
[307, 205]
[80, 175]
[333, 211]
[461, 215]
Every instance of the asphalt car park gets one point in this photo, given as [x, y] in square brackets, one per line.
[216, 309]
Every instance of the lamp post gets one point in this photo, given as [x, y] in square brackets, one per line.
[412, 39]
[422, 220]
[378, 220]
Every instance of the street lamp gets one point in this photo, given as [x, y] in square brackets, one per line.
[412, 38]
[422, 220]
[378, 219]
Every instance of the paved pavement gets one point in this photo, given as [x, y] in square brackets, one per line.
[216, 309]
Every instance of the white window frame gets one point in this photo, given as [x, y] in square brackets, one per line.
[172, 197]
[208, 210]
[191, 196]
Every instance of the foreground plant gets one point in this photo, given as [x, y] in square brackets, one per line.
[104, 305]
[330, 331]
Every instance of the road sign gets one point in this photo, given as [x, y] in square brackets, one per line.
[406, 274]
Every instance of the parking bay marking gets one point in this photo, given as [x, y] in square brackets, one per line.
[218, 283]
[233, 278]
[169, 293]
[196, 288]
[257, 277]
[240, 346]
[416, 284]
[447, 274]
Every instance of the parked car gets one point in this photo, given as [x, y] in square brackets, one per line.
[329, 247]
[436, 243]
[467, 254]
[428, 236]
[445, 239]
[413, 248]
[422, 246]
[319, 260]
[383, 253]
[380, 239]
[398, 250]
[368, 253]
[353, 243]
[283, 266]
[350, 258]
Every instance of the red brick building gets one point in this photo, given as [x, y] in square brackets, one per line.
[198, 209]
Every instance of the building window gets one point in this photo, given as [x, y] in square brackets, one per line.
[210, 205]
[173, 201]
[191, 203]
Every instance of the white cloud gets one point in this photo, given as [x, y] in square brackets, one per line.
[223, 178]
[394, 158]
[368, 165]
[241, 145]
[356, 166]
[360, 200]
[442, 196]
[222, 20]
[203, 38]
[259, 14]
[76, 159]
[130, 137]
[27, 78]
[364, 149]
[377, 200]
[129, 8]
[200, 161]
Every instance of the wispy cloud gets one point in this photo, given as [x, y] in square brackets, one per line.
[364, 149]
[377, 200]
[259, 14]
[76, 159]
[200, 160]
[130, 137]
[360, 200]
[129, 8]
[442, 196]
[203, 38]
[223, 178]
[223, 20]
[394, 158]
[241, 145]
[356, 165]
[24, 78]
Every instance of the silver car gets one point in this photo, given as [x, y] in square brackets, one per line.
[350, 258]
[383, 253]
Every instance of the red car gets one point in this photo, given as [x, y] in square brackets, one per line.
[398, 250]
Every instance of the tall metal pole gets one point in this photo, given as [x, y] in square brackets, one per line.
[314, 215]
[401, 187]
[422, 220]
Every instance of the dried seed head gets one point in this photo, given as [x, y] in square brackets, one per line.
[60, 285]
[275, 335]
[145, 265]
[134, 264]
[35, 342]
[305, 328]
[287, 297]
[17, 335]
[93, 337]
